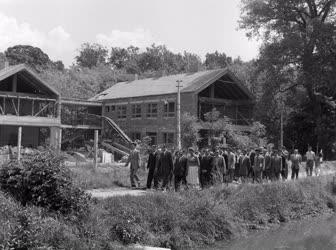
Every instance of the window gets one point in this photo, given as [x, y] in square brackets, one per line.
[121, 112]
[112, 108]
[168, 138]
[107, 109]
[153, 137]
[169, 109]
[152, 110]
[135, 136]
[136, 111]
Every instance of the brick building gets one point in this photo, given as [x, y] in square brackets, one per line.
[147, 107]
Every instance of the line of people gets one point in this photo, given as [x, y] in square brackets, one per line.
[222, 165]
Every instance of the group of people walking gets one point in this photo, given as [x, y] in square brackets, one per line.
[191, 168]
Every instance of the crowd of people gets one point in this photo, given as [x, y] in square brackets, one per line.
[221, 165]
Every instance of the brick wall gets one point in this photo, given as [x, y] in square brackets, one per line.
[144, 124]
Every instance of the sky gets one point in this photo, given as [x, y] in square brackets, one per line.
[59, 27]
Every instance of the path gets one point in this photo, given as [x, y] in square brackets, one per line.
[113, 192]
[327, 169]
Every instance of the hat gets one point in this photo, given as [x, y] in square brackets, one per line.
[191, 149]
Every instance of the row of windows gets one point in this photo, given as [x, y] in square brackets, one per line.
[136, 110]
[168, 138]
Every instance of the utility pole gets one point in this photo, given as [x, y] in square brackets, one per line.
[178, 115]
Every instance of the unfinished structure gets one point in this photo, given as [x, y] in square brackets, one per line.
[33, 114]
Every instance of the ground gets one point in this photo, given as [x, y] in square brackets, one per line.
[109, 181]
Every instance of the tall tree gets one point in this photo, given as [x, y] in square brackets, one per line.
[91, 55]
[216, 60]
[32, 56]
[299, 50]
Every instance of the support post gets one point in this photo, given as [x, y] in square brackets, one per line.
[19, 143]
[14, 86]
[281, 124]
[178, 115]
[95, 148]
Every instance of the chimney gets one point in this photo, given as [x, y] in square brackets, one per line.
[136, 77]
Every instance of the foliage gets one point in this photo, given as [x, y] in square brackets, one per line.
[207, 216]
[189, 130]
[298, 55]
[3, 59]
[41, 179]
[91, 55]
[222, 126]
[217, 60]
[29, 55]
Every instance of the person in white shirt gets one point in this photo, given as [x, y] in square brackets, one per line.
[310, 158]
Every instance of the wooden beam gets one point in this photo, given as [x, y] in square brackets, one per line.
[27, 97]
[225, 101]
[95, 146]
[15, 109]
[19, 143]
[85, 127]
[14, 83]
[46, 106]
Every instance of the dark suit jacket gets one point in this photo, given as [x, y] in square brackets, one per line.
[151, 161]
[165, 165]
[180, 166]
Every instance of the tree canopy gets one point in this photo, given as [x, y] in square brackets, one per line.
[297, 60]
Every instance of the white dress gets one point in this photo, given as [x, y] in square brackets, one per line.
[193, 171]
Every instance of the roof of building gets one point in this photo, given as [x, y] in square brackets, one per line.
[191, 82]
[22, 68]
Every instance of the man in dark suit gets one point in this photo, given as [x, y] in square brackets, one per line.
[165, 166]
[180, 170]
[151, 166]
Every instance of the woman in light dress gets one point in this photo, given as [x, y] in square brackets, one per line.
[193, 169]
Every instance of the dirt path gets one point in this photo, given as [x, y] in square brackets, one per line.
[113, 192]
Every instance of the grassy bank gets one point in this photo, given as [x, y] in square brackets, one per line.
[176, 220]
[197, 218]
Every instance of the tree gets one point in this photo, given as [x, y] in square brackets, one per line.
[3, 60]
[189, 130]
[299, 51]
[91, 55]
[29, 55]
[216, 60]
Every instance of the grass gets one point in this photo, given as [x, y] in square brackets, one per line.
[192, 218]
[109, 176]
[183, 220]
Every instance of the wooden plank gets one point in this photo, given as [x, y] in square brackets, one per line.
[81, 126]
[224, 101]
[29, 121]
[44, 108]
[95, 148]
[19, 143]
[25, 96]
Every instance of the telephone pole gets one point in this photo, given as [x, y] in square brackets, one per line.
[178, 115]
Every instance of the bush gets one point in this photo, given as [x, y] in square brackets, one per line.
[41, 179]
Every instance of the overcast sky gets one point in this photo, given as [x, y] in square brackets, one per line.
[59, 27]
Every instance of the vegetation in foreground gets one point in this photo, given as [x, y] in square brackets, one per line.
[176, 220]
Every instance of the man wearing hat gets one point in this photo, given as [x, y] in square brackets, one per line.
[134, 160]
[151, 166]
[276, 165]
[165, 167]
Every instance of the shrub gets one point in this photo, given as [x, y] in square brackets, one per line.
[41, 179]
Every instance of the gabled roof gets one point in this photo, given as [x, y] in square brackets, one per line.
[191, 82]
[22, 68]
